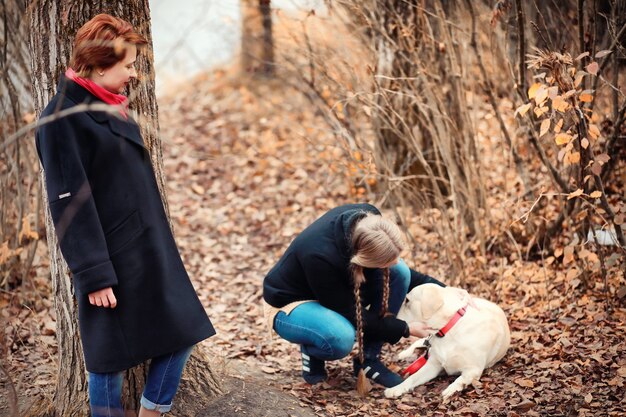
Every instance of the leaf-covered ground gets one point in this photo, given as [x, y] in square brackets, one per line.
[249, 163]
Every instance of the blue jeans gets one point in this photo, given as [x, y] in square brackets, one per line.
[105, 390]
[328, 335]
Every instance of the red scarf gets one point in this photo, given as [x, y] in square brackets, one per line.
[103, 94]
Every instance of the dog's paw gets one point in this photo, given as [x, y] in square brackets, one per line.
[405, 354]
[394, 392]
[449, 392]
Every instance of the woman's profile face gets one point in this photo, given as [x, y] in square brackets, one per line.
[116, 78]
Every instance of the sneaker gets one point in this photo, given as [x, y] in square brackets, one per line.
[377, 372]
[313, 369]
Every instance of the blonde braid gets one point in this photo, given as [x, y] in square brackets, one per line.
[385, 304]
[363, 386]
[357, 274]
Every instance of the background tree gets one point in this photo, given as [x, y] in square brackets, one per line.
[18, 181]
[53, 25]
[257, 44]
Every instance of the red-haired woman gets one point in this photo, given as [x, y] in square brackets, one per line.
[135, 299]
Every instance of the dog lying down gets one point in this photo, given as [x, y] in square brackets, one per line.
[475, 336]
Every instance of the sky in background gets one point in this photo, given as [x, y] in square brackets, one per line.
[190, 36]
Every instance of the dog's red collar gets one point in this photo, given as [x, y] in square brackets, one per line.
[457, 316]
[415, 366]
[421, 361]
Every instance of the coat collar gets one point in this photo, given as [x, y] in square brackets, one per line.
[343, 230]
[126, 128]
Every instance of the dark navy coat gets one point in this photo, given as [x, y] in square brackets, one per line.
[113, 232]
[316, 266]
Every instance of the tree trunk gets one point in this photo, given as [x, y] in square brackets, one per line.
[257, 45]
[53, 24]
[268, 41]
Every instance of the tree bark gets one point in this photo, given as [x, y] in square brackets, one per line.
[268, 41]
[257, 45]
[53, 24]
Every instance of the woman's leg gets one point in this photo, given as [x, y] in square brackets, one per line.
[323, 334]
[162, 382]
[105, 394]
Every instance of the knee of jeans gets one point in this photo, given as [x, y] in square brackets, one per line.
[400, 275]
[342, 342]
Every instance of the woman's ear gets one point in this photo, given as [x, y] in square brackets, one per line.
[432, 300]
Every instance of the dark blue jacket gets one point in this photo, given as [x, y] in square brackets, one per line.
[113, 232]
[316, 266]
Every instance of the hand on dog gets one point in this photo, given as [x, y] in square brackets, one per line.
[419, 329]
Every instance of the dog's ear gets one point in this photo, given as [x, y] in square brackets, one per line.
[432, 300]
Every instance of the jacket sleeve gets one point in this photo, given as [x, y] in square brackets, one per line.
[72, 206]
[417, 278]
[338, 295]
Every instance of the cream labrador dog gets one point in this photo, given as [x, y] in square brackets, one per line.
[475, 336]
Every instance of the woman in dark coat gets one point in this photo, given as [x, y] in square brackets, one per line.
[135, 299]
[318, 293]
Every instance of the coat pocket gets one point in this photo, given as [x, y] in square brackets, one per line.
[118, 237]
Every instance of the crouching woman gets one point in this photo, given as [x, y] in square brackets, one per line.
[342, 280]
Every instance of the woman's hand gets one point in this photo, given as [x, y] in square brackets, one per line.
[418, 329]
[103, 298]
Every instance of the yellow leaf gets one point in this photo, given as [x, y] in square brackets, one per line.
[29, 118]
[559, 104]
[558, 126]
[586, 97]
[562, 138]
[584, 143]
[527, 383]
[581, 56]
[27, 232]
[523, 109]
[532, 91]
[593, 68]
[569, 93]
[594, 131]
[545, 126]
[596, 194]
[574, 158]
[5, 252]
[553, 92]
[540, 111]
[575, 194]
[541, 95]
[198, 189]
[579, 78]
